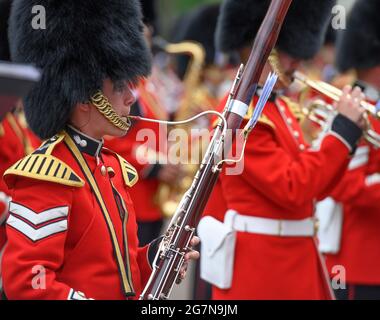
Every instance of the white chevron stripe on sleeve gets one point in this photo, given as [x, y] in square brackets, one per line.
[37, 218]
[372, 179]
[37, 234]
[360, 158]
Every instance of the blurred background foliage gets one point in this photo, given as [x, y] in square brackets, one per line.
[170, 10]
[180, 6]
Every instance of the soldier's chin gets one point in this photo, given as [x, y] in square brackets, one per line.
[117, 132]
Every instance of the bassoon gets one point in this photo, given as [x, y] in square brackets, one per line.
[176, 241]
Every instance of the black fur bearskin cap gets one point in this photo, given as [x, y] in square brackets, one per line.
[302, 34]
[5, 8]
[85, 42]
[149, 11]
[358, 47]
[199, 25]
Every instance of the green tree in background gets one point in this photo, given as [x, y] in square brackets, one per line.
[169, 10]
[184, 5]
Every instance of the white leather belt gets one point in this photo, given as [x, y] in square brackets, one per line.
[274, 227]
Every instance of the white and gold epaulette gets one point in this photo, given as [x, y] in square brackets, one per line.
[41, 165]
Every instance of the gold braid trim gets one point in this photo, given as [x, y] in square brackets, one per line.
[100, 101]
[276, 66]
[295, 108]
[263, 118]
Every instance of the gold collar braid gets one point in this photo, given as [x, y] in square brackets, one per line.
[100, 101]
[276, 66]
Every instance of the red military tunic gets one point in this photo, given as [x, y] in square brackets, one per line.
[143, 155]
[281, 180]
[359, 193]
[16, 142]
[56, 223]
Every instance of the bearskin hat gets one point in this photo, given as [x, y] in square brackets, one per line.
[5, 8]
[149, 11]
[199, 25]
[302, 34]
[331, 35]
[84, 42]
[358, 47]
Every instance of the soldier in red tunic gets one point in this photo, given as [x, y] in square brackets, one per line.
[15, 139]
[71, 227]
[271, 204]
[143, 155]
[355, 265]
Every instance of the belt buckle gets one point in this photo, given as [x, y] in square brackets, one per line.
[316, 225]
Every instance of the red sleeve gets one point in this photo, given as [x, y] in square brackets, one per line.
[36, 230]
[146, 257]
[360, 186]
[355, 189]
[368, 197]
[293, 181]
[350, 186]
[144, 264]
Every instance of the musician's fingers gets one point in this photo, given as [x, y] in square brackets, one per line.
[195, 241]
[356, 92]
[192, 255]
[182, 273]
[346, 90]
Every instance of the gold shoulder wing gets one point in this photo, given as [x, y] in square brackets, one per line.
[41, 165]
[263, 118]
[130, 174]
[46, 168]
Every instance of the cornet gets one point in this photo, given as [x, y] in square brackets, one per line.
[320, 111]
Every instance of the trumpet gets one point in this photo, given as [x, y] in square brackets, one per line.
[332, 92]
[320, 112]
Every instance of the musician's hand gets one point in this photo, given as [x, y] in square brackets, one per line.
[349, 105]
[191, 255]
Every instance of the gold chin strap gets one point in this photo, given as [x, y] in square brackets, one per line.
[275, 63]
[100, 101]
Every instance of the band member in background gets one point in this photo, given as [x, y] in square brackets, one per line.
[71, 220]
[199, 25]
[271, 204]
[15, 139]
[322, 67]
[358, 193]
[143, 156]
